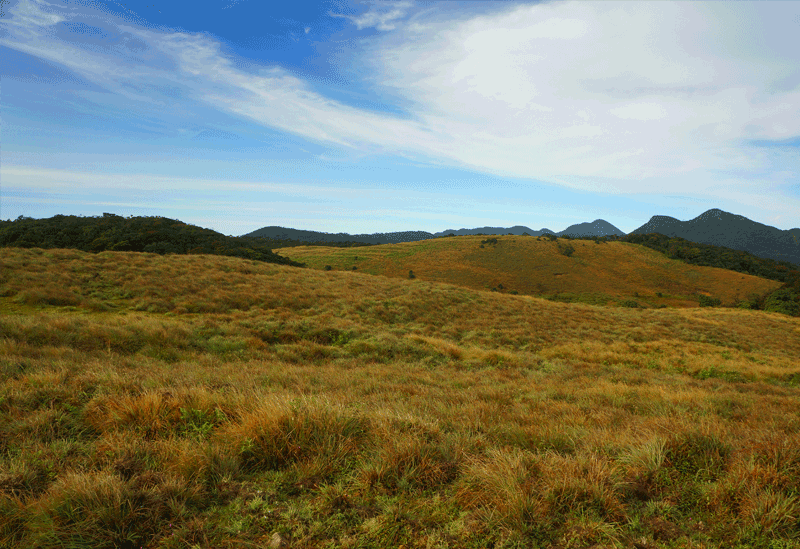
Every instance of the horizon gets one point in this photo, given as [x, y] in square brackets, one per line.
[432, 232]
[372, 117]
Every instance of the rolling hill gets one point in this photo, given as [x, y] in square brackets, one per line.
[714, 227]
[600, 273]
[166, 401]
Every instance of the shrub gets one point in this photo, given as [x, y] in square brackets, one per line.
[629, 303]
[707, 301]
[567, 250]
[752, 302]
[411, 274]
[328, 267]
[783, 301]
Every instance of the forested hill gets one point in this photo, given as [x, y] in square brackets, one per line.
[131, 234]
[315, 237]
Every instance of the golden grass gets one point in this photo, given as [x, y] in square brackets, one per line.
[207, 401]
[599, 273]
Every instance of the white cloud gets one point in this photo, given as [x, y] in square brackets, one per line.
[640, 111]
[582, 94]
[30, 13]
[25, 177]
[574, 90]
[381, 15]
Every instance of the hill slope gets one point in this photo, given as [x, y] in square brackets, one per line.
[198, 400]
[612, 272]
[714, 227]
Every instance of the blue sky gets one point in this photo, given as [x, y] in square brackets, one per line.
[370, 117]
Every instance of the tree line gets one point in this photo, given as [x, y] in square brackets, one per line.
[110, 232]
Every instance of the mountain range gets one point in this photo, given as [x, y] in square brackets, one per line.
[597, 227]
[715, 227]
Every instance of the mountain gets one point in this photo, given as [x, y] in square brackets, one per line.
[282, 233]
[714, 227]
[598, 227]
[720, 228]
[516, 230]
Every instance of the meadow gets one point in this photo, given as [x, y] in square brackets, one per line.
[597, 273]
[208, 401]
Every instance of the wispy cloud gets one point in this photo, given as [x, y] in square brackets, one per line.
[573, 90]
[622, 97]
[33, 13]
[383, 16]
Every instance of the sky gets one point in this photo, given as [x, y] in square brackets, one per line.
[364, 116]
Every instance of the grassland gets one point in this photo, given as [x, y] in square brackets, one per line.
[208, 401]
[609, 273]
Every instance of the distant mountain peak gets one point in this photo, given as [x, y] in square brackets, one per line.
[662, 217]
[714, 212]
[598, 227]
[720, 228]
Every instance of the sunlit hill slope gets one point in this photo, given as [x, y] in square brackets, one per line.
[610, 273]
[210, 401]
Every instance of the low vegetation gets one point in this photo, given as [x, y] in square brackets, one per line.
[208, 401]
[785, 299]
[600, 272]
[169, 236]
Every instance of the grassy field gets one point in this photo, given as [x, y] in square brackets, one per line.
[207, 401]
[609, 273]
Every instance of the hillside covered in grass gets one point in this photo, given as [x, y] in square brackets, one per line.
[785, 299]
[111, 232]
[596, 272]
[208, 401]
